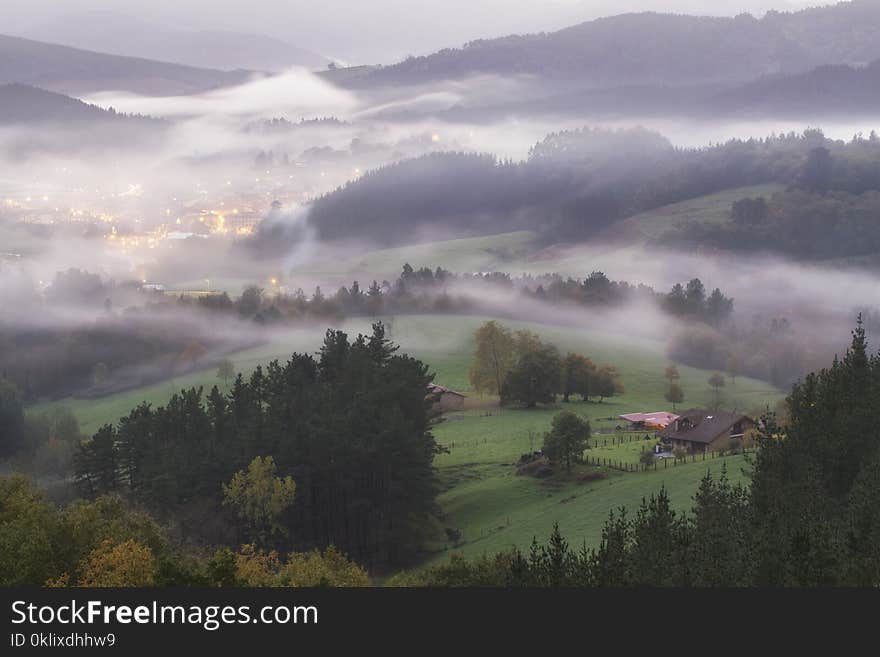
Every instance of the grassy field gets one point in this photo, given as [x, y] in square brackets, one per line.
[494, 508]
[482, 495]
[504, 252]
[714, 208]
[621, 248]
[489, 253]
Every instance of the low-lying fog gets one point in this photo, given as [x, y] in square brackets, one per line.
[221, 154]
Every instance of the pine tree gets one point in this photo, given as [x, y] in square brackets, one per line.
[96, 463]
[655, 554]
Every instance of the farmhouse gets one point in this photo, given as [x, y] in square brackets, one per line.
[699, 430]
[446, 399]
[655, 420]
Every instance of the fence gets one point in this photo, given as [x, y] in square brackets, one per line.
[620, 439]
[623, 466]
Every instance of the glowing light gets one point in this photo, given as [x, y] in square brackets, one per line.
[435, 137]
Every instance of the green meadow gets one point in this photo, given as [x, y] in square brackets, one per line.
[482, 495]
[713, 208]
[495, 509]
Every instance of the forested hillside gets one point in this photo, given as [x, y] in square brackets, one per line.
[835, 90]
[661, 49]
[20, 103]
[577, 183]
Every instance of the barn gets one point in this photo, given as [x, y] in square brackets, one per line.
[445, 398]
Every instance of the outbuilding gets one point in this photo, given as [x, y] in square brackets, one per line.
[445, 398]
[655, 420]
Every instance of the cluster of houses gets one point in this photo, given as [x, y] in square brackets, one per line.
[696, 430]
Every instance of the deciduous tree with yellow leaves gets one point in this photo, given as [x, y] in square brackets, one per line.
[260, 498]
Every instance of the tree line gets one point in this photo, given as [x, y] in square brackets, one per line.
[438, 290]
[139, 337]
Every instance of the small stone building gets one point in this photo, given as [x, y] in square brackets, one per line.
[445, 399]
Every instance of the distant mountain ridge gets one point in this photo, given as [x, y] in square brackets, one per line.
[74, 71]
[38, 122]
[118, 34]
[660, 49]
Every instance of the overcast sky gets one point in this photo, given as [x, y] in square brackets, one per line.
[364, 31]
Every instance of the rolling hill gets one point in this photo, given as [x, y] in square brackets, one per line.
[660, 49]
[20, 103]
[829, 90]
[118, 34]
[36, 121]
[73, 71]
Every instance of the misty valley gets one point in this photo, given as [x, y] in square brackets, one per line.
[592, 307]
